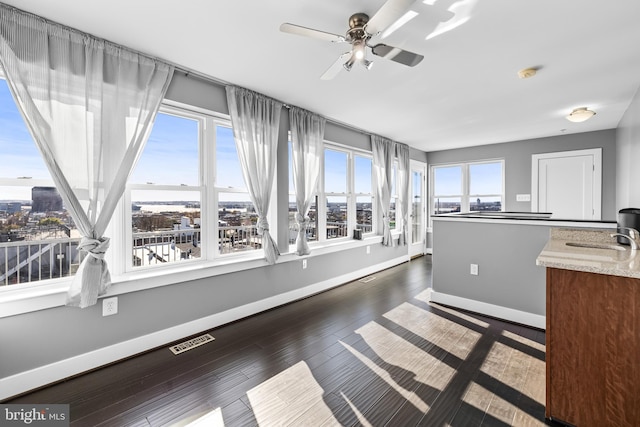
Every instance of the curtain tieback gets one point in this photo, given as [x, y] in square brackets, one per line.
[95, 247]
[303, 221]
[262, 225]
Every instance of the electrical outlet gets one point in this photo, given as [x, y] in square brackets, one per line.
[474, 269]
[110, 306]
[304, 264]
[368, 250]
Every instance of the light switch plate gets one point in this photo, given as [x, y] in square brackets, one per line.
[523, 197]
[474, 269]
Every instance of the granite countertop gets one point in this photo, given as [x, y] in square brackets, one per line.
[568, 249]
[526, 218]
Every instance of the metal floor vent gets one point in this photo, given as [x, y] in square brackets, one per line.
[192, 343]
[367, 279]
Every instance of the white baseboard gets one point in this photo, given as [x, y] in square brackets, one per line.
[510, 314]
[43, 375]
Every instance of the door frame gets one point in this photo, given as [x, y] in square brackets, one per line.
[597, 175]
[420, 248]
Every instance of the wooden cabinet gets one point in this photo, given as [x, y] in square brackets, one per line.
[593, 349]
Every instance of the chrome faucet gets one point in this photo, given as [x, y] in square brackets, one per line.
[633, 236]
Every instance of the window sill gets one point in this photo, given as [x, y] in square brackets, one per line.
[338, 244]
[50, 295]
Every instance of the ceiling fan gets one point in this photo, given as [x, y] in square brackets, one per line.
[361, 30]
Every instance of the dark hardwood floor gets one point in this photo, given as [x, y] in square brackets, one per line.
[372, 354]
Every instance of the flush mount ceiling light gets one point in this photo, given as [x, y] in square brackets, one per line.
[580, 115]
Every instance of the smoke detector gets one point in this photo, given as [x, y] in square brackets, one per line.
[527, 73]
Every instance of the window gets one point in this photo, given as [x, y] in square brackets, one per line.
[236, 216]
[394, 196]
[312, 229]
[168, 191]
[447, 189]
[477, 186]
[363, 193]
[344, 200]
[485, 186]
[336, 194]
[346, 193]
[38, 239]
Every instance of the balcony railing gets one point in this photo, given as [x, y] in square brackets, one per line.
[26, 261]
[238, 239]
[334, 231]
[157, 247]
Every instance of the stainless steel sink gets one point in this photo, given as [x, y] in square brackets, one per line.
[596, 246]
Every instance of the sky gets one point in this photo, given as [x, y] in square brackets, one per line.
[484, 178]
[170, 157]
[19, 156]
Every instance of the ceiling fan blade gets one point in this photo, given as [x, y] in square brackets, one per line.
[389, 13]
[335, 68]
[396, 54]
[309, 32]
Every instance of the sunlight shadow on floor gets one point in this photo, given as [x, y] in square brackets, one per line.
[212, 419]
[291, 397]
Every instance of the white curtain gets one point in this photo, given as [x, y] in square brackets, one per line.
[89, 105]
[307, 134]
[383, 152]
[402, 153]
[255, 120]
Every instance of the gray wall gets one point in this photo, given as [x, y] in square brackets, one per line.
[39, 338]
[47, 336]
[628, 157]
[517, 156]
[506, 258]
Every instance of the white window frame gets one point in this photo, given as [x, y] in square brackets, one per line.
[52, 292]
[353, 210]
[350, 195]
[209, 197]
[29, 182]
[124, 263]
[396, 230]
[465, 196]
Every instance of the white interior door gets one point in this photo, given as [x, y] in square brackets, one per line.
[568, 184]
[417, 206]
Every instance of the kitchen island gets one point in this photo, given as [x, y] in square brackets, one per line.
[486, 262]
[593, 329]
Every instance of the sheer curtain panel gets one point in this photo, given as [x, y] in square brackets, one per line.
[255, 120]
[383, 152]
[307, 134]
[89, 106]
[402, 153]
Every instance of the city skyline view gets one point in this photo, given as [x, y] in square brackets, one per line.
[167, 187]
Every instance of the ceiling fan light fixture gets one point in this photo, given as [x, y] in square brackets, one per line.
[358, 49]
[349, 64]
[390, 16]
[580, 115]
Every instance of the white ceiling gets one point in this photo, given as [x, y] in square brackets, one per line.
[465, 92]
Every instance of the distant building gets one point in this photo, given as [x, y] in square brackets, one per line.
[45, 199]
[10, 207]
